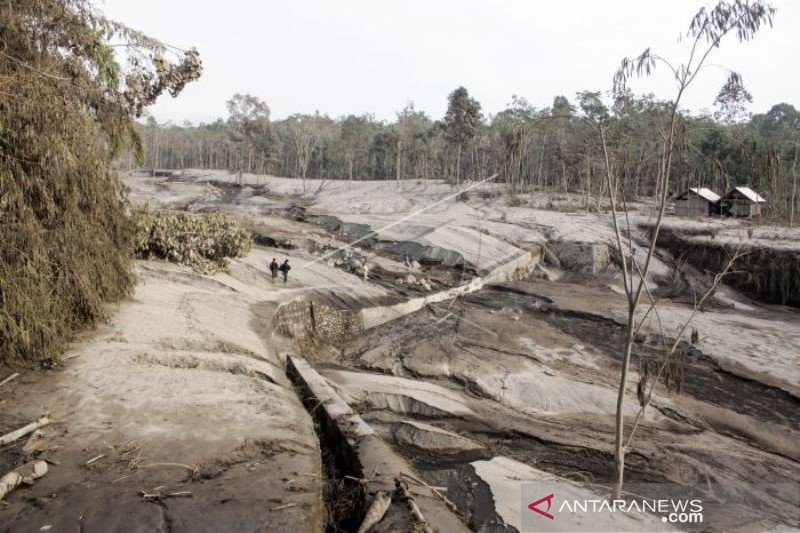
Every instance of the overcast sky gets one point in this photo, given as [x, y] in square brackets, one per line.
[357, 56]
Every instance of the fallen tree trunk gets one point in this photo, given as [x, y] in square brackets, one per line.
[27, 474]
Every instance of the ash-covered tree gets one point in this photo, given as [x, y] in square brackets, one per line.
[595, 111]
[354, 140]
[412, 127]
[71, 82]
[250, 130]
[461, 122]
[512, 126]
[780, 127]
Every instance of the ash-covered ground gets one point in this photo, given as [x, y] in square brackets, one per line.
[487, 353]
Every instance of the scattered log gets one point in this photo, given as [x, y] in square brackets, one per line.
[284, 506]
[380, 504]
[94, 459]
[27, 474]
[21, 432]
[9, 379]
[157, 494]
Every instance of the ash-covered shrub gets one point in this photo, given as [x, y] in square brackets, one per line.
[202, 242]
[66, 112]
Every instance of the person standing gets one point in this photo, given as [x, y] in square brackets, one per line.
[285, 268]
[273, 268]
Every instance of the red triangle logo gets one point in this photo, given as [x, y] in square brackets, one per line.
[549, 501]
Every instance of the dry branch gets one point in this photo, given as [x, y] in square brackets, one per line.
[94, 459]
[21, 432]
[156, 494]
[402, 489]
[10, 378]
[284, 506]
[437, 491]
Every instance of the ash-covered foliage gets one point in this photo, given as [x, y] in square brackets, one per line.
[202, 242]
[66, 109]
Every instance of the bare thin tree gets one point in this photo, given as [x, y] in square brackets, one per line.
[706, 31]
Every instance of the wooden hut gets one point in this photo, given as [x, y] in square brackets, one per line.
[742, 202]
[697, 202]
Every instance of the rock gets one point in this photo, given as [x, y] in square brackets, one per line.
[544, 272]
[432, 439]
[397, 394]
[583, 257]
[411, 280]
[551, 234]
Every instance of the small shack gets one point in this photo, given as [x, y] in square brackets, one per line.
[742, 202]
[697, 202]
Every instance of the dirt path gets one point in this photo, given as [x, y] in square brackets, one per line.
[180, 393]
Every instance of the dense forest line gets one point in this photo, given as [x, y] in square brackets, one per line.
[555, 148]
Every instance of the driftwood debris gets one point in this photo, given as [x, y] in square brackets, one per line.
[284, 506]
[360, 481]
[9, 379]
[27, 473]
[380, 504]
[405, 494]
[157, 494]
[21, 432]
[94, 459]
[437, 491]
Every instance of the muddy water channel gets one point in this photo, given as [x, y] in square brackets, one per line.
[506, 379]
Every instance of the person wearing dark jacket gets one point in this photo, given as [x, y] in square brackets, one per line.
[285, 268]
[273, 268]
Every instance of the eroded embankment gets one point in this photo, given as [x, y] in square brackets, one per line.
[362, 469]
[768, 274]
